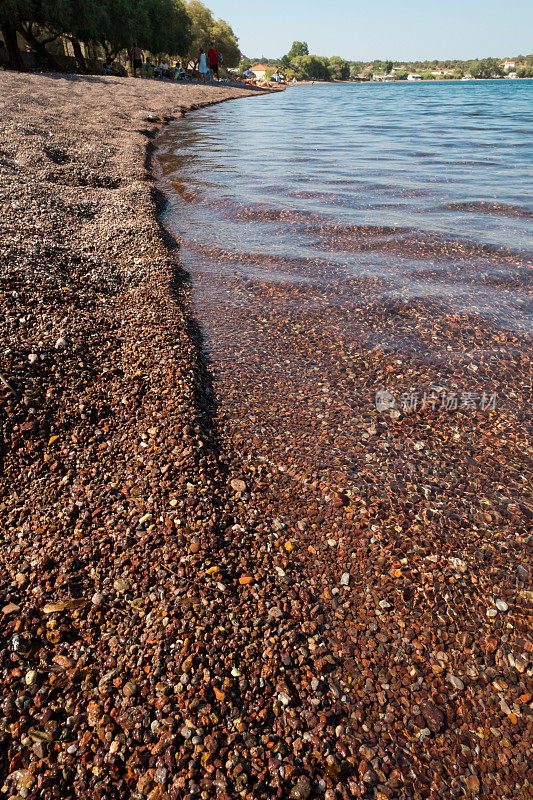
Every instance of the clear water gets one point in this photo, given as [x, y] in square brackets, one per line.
[426, 188]
[346, 238]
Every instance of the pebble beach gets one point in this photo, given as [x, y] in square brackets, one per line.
[180, 618]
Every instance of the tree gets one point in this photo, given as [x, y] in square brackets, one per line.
[9, 32]
[356, 67]
[387, 67]
[114, 28]
[205, 29]
[226, 42]
[339, 70]
[40, 22]
[12, 14]
[160, 26]
[486, 68]
[311, 68]
[201, 21]
[38, 37]
[171, 28]
[298, 49]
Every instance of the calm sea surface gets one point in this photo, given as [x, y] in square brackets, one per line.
[330, 222]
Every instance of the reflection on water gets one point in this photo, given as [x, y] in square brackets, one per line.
[331, 224]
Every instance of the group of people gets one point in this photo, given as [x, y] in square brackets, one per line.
[209, 63]
[208, 66]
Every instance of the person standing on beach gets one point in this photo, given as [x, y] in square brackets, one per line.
[213, 57]
[137, 61]
[203, 69]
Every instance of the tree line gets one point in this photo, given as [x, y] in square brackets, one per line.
[477, 68]
[164, 28]
[298, 63]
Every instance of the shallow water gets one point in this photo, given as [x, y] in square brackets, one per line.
[330, 226]
[317, 172]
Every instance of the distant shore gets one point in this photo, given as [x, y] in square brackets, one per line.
[441, 80]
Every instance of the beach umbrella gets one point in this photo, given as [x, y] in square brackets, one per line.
[249, 73]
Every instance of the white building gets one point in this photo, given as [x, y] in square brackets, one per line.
[260, 71]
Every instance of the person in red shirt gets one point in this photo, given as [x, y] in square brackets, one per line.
[213, 59]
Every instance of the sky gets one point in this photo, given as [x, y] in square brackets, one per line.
[363, 30]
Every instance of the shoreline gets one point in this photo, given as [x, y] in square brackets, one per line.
[178, 621]
[409, 83]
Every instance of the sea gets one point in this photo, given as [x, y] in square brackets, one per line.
[357, 250]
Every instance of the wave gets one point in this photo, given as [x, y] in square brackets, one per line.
[484, 207]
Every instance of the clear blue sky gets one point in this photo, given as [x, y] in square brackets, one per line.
[395, 29]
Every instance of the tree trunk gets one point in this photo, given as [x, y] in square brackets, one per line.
[10, 38]
[80, 59]
[40, 49]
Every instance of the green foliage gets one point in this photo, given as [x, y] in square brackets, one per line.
[356, 67]
[161, 27]
[298, 63]
[486, 68]
[201, 21]
[226, 42]
[205, 29]
[298, 49]
[110, 24]
[339, 70]
[293, 65]
[311, 68]
[13, 10]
